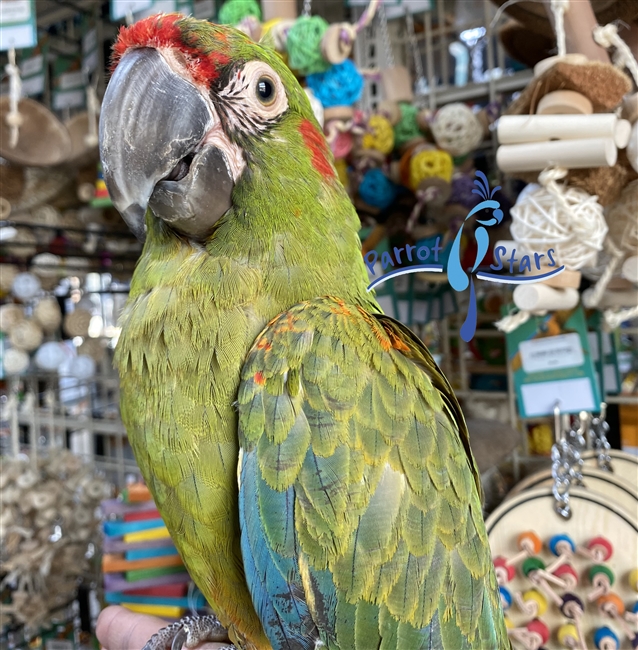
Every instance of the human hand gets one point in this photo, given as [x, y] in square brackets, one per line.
[120, 629]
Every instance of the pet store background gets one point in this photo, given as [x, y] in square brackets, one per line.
[415, 98]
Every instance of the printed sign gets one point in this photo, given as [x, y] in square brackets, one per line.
[68, 83]
[17, 24]
[551, 362]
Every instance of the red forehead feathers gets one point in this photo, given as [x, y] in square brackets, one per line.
[163, 30]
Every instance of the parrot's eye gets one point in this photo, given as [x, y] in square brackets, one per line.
[266, 91]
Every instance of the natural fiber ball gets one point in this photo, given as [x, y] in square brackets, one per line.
[340, 85]
[8, 274]
[234, 11]
[456, 129]
[462, 191]
[575, 231]
[428, 163]
[82, 367]
[406, 128]
[24, 244]
[26, 335]
[377, 190]
[15, 362]
[26, 286]
[77, 322]
[50, 356]
[10, 316]
[93, 348]
[380, 135]
[47, 314]
[46, 265]
[304, 45]
[622, 220]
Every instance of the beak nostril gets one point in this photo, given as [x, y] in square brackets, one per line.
[181, 169]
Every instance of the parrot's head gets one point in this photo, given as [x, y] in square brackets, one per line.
[200, 124]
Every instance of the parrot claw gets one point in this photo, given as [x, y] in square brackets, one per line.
[190, 632]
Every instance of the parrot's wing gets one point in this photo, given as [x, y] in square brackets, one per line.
[359, 509]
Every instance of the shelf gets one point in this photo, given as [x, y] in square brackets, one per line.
[510, 83]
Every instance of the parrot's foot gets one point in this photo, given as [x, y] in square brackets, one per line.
[190, 632]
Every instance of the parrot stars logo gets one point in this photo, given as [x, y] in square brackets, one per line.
[488, 213]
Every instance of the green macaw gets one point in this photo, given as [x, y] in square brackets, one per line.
[306, 453]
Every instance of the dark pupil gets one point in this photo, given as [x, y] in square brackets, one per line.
[264, 89]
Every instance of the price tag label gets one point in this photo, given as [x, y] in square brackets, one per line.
[551, 353]
[17, 24]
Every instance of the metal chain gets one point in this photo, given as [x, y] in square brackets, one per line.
[385, 36]
[418, 64]
[307, 7]
[600, 429]
[566, 467]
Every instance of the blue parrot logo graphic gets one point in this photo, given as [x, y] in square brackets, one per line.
[460, 279]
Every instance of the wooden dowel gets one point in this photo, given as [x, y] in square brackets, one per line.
[516, 129]
[571, 154]
[537, 297]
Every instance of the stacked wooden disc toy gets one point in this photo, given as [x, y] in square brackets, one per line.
[572, 580]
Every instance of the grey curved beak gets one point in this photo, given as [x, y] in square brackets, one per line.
[151, 120]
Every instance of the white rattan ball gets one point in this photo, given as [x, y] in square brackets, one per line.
[8, 274]
[10, 316]
[50, 356]
[456, 129]
[26, 335]
[576, 230]
[26, 286]
[622, 220]
[82, 367]
[77, 322]
[47, 314]
[632, 147]
[15, 361]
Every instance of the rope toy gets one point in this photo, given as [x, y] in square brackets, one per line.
[407, 128]
[377, 190]
[304, 45]
[456, 129]
[566, 219]
[380, 135]
[622, 239]
[340, 85]
[234, 11]
[428, 163]
[14, 119]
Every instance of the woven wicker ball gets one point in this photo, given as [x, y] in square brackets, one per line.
[10, 315]
[8, 274]
[428, 163]
[77, 322]
[456, 129]
[24, 244]
[93, 348]
[576, 233]
[50, 356]
[622, 220]
[25, 286]
[82, 367]
[15, 362]
[26, 335]
[380, 134]
[47, 314]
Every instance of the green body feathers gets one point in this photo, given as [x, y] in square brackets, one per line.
[306, 454]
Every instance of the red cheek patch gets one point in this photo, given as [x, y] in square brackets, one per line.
[318, 148]
[165, 31]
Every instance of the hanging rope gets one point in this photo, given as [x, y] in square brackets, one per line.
[613, 319]
[559, 7]
[418, 64]
[307, 8]
[14, 119]
[607, 37]
[385, 37]
[93, 110]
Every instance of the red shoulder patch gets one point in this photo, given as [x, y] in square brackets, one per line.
[164, 30]
[318, 146]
